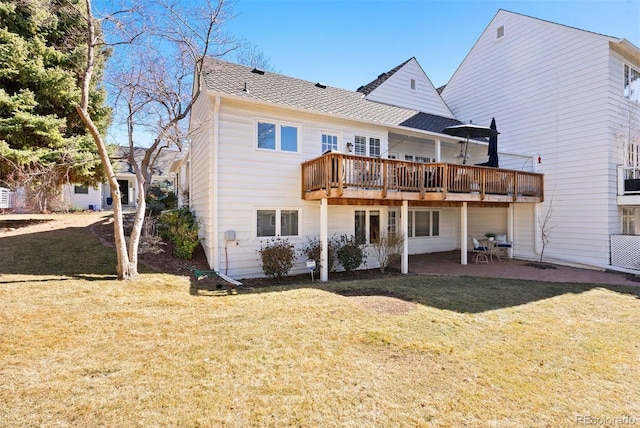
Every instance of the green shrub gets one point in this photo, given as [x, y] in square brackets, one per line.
[350, 253]
[180, 227]
[277, 258]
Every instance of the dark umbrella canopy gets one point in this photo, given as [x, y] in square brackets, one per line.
[470, 131]
[493, 149]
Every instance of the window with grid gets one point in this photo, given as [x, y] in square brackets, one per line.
[329, 142]
[631, 83]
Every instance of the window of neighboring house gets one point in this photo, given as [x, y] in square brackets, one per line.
[329, 142]
[413, 83]
[277, 136]
[408, 158]
[422, 159]
[367, 226]
[81, 190]
[631, 83]
[500, 32]
[630, 220]
[361, 148]
[633, 158]
[423, 224]
[277, 222]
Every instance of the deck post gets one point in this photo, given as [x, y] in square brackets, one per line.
[463, 234]
[404, 226]
[324, 240]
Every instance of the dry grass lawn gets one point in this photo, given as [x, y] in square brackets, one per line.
[80, 349]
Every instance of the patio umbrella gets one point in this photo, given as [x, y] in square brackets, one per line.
[493, 148]
[469, 131]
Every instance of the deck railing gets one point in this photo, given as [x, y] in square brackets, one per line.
[342, 171]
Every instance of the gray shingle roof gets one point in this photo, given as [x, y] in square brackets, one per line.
[226, 78]
[161, 167]
[369, 87]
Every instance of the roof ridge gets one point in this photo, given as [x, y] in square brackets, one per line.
[371, 86]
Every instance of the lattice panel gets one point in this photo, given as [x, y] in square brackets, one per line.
[625, 251]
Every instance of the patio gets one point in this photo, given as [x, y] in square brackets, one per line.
[448, 263]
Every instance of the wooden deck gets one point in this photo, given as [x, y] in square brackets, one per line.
[358, 180]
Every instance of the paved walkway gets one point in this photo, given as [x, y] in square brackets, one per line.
[448, 263]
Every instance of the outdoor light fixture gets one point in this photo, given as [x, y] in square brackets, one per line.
[350, 147]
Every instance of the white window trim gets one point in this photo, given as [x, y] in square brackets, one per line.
[367, 136]
[336, 134]
[381, 222]
[412, 223]
[279, 124]
[278, 225]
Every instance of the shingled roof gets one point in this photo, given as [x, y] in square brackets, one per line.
[369, 87]
[160, 168]
[226, 78]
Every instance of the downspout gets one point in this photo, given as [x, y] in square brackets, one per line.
[213, 178]
[536, 214]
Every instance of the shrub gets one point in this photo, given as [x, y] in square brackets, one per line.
[388, 248]
[349, 252]
[277, 258]
[312, 251]
[180, 227]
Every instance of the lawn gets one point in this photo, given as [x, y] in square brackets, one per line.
[80, 349]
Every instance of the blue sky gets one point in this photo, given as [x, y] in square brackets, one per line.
[349, 43]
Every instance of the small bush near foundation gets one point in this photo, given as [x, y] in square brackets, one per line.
[349, 252]
[312, 251]
[277, 258]
[388, 249]
[180, 227]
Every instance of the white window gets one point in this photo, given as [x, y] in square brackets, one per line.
[631, 83]
[630, 220]
[277, 136]
[367, 226]
[422, 159]
[408, 158]
[329, 142]
[361, 148]
[277, 222]
[423, 224]
[392, 222]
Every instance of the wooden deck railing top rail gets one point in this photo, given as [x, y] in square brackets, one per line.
[334, 173]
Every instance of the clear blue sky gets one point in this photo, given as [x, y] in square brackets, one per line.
[349, 43]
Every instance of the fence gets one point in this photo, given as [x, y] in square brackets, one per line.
[625, 251]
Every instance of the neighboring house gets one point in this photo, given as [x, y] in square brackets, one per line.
[99, 198]
[571, 96]
[274, 157]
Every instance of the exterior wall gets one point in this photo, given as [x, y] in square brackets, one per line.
[396, 90]
[547, 86]
[83, 200]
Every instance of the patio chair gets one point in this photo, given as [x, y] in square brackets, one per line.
[502, 246]
[480, 252]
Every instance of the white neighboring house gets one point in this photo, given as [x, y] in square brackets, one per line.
[274, 157]
[99, 198]
[572, 96]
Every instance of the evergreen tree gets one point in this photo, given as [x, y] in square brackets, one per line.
[43, 142]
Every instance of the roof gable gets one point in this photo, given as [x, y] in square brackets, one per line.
[407, 86]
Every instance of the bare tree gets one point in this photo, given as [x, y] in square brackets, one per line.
[627, 134]
[544, 228]
[156, 91]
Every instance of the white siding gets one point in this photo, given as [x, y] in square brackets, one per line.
[547, 86]
[397, 91]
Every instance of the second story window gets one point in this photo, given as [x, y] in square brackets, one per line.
[361, 148]
[329, 142]
[277, 136]
[631, 83]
